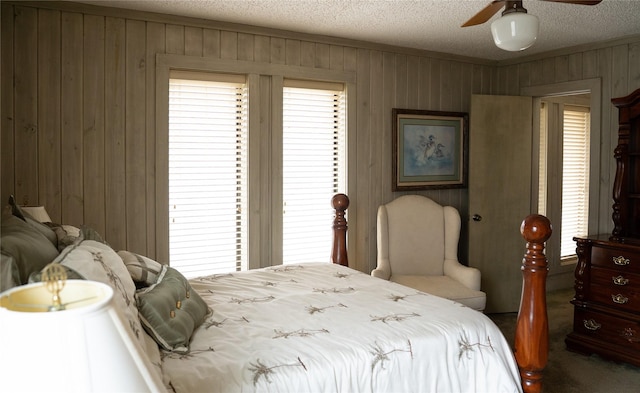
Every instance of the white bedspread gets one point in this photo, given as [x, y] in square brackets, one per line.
[320, 327]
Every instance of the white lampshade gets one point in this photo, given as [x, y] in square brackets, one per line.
[515, 31]
[38, 213]
[84, 348]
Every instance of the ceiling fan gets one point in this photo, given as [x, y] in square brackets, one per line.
[515, 30]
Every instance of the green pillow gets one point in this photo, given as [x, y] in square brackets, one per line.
[144, 271]
[170, 310]
[9, 272]
[26, 217]
[67, 235]
[29, 248]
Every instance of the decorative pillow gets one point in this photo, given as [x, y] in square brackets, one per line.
[142, 269]
[89, 233]
[152, 350]
[71, 275]
[67, 235]
[170, 310]
[9, 272]
[98, 262]
[29, 248]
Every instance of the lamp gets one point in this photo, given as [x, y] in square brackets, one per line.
[83, 347]
[39, 213]
[515, 30]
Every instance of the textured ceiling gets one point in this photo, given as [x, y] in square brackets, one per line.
[432, 25]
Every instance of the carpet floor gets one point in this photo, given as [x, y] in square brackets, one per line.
[569, 372]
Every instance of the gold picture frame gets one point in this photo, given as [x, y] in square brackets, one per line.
[430, 149]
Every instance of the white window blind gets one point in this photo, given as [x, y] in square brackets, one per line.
[207, 173]
[314, 167]
[575, 177]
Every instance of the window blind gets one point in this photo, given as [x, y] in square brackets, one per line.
[314, 167]
[207, 173]
[575, 177]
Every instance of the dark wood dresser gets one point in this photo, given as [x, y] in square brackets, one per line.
[606, 317]
[607, 278]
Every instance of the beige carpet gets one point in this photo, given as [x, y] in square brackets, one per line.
[569, 372]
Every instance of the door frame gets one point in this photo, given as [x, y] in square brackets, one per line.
[561, 276]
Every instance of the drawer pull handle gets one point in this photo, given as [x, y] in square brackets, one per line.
[630, 335]
[621, 261]
[591, 324]
[620, 280]
[619, 299]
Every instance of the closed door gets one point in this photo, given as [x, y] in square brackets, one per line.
[500, 152]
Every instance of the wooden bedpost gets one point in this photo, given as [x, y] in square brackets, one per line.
[340, 203]
[532, 326]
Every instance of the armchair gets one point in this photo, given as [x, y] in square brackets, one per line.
[418, 247]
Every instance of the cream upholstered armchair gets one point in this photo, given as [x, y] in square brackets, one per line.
[418, 247]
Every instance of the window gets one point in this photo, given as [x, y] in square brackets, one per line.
[207, 173]
[314, 166]
[564, 172]
[575, 178]
[293, 164]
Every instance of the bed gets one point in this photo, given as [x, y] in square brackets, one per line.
[316, 326]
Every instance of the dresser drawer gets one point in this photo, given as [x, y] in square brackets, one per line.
[621, 259]
[604, 327]
[619, 298]
[615, 279]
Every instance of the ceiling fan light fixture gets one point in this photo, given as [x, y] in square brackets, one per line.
[515, 31]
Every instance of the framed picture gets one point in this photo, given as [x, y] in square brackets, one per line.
[429, 149]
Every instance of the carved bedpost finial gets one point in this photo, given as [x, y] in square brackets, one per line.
[532, 326]
[340, 203]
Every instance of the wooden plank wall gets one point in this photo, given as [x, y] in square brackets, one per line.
[78, 107]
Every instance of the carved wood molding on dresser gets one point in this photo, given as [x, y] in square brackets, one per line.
[626, 185]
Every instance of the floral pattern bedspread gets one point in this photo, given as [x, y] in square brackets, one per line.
[320, 327]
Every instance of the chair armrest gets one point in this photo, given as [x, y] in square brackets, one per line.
[381, 272]
[467, 276]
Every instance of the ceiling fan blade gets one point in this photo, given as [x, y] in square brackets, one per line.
[485, 14]
[580, 2]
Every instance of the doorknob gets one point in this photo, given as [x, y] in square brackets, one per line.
[476, 217]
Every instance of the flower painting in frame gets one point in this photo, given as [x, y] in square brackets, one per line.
[429, 149]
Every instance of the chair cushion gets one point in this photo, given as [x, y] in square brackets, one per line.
[445, 287]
